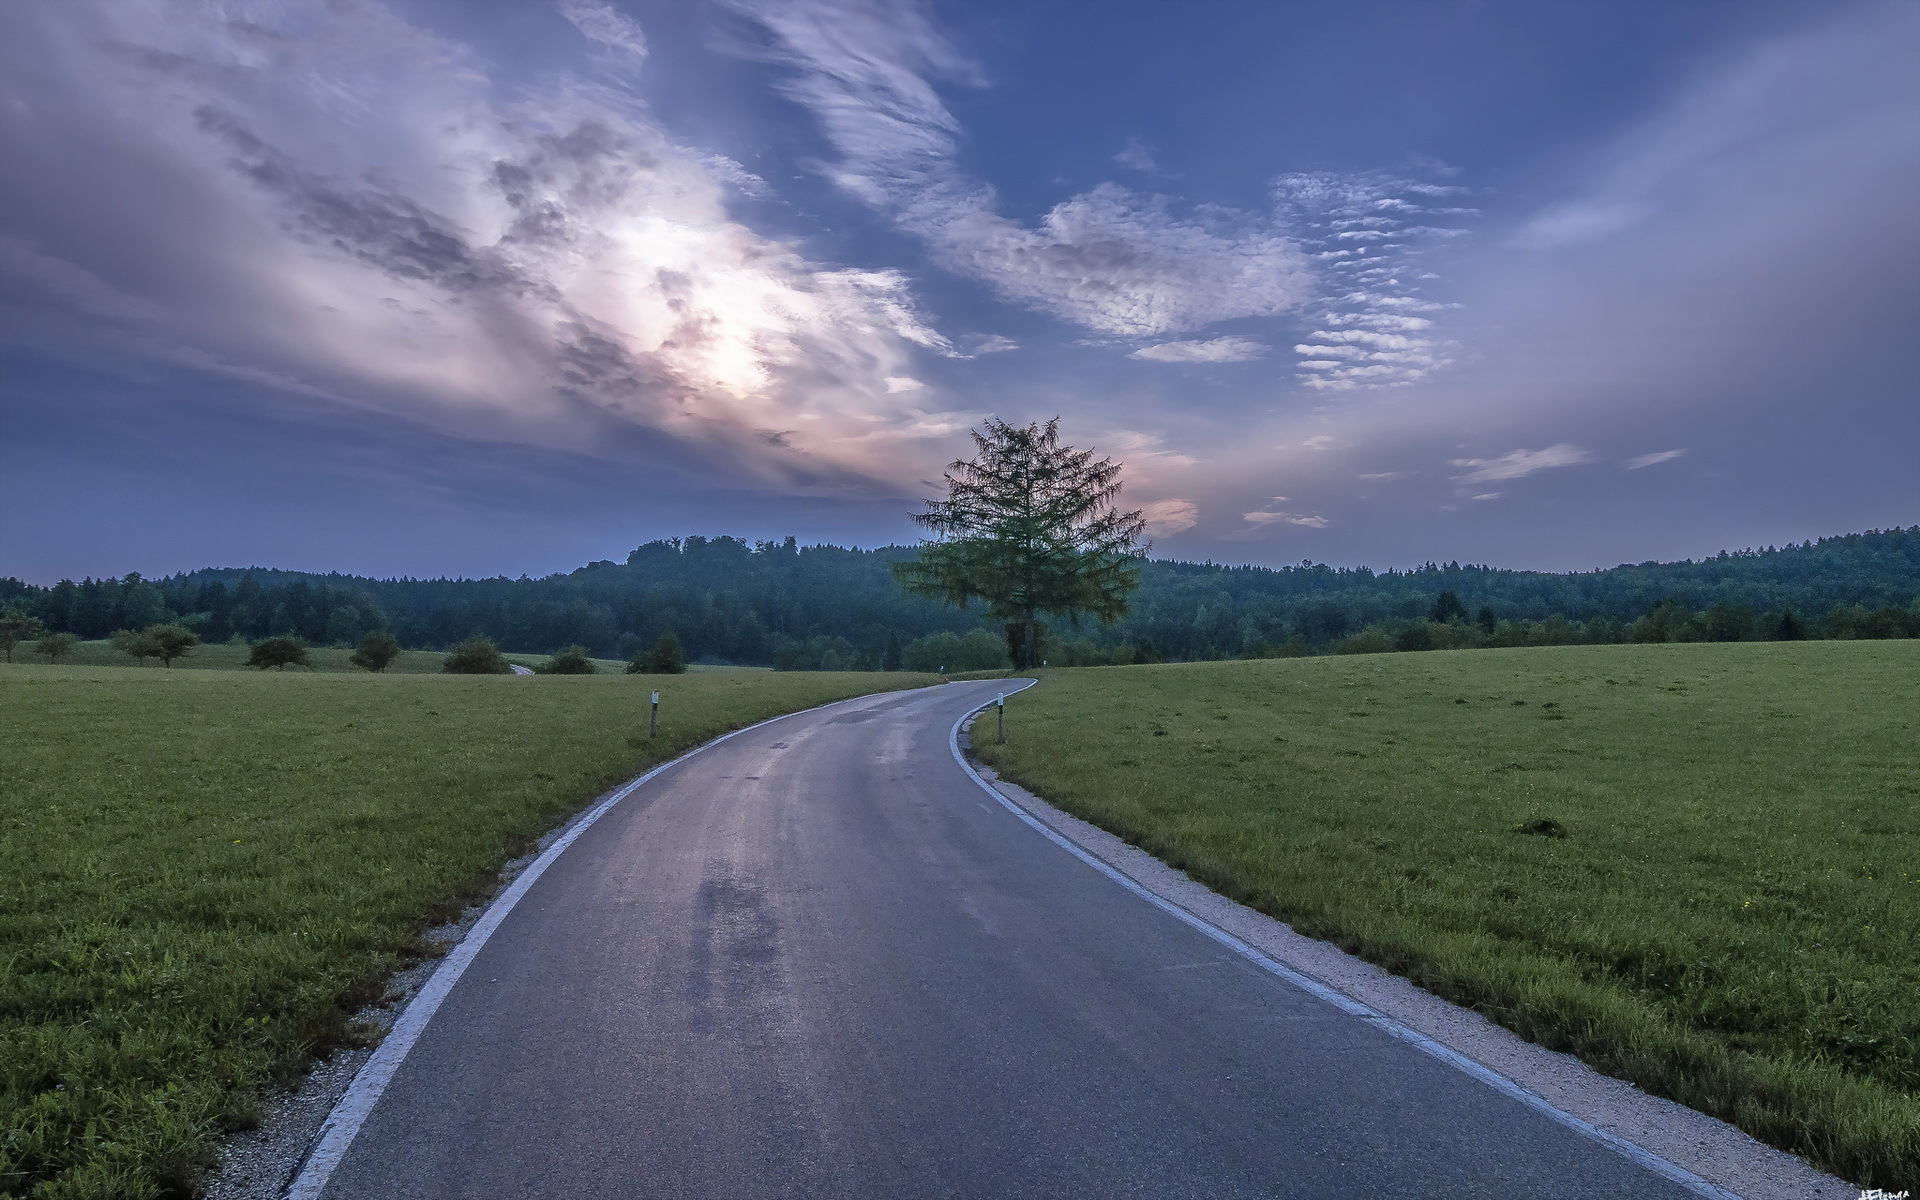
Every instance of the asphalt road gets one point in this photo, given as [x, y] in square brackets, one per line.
[817, 961]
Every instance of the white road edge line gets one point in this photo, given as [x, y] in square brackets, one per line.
[1347, 1004]
[344, 1122]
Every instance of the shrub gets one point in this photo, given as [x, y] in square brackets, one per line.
[16, 626]
[977, 651]
[666, 658]
[376, 651]
[476, 656]
[1419, 634]
[164, 642]
[571, 661]
[55, 646]
[1371, 640]
[282, 652]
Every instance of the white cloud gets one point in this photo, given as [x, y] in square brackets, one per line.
[1259, 519]
[1319, 441]
[540, 263]
[1489, 495]
[1518, 464]
[1170, 516]
[1217, 350]
[1370, 283]
[602, 23]
[1136, 155]
[1108, 259]
[731, 172]
[993, 343]
[902, 383]
[1648, 460]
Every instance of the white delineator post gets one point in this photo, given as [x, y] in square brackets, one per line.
[1000, 716]
[653, 715]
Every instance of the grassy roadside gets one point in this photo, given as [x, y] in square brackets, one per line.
[204, 872]
[1729, 919]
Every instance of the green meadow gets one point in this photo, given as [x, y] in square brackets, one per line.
[1695, 866]
[205, 872]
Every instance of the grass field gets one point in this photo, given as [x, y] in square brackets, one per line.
[204, 872]
[1731, 919]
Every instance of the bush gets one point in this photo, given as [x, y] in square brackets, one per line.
[16, 626]
[977, 651]
[1419, 634]
[376, 651]
[571, 661]
[55, 646]
[283, 651]
[666, 658]
[1371, 640]
[476, 656]
[821, 652]
[164, 642]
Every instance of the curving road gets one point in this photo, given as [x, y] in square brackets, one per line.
[816, 960]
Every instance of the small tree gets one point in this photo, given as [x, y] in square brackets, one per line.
[169, 642]
[377, 651]
[164, 642]
[283, 651]
[572, 660]
[55, 646]
[476, 656]
[1029, 526]
[667, 658]
[129, 641]
[1486, 620]
[17, 626]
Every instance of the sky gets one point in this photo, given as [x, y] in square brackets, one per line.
[480, 287]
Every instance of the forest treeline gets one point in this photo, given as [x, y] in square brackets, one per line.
[814, 607]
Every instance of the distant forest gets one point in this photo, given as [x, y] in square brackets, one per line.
[812, 607]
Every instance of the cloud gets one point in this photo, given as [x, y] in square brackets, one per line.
[1109, 259]
[1319, 441]
[1366, 231]
[1137, 155]
[543, 262]
[993, 343]
[1261, 519]
[1218, 350]
[1579, 221]
[1489, 495]
[1170, 516]
[1648, 460]
[902, 383]
[603, 24]
[1518, 464]
[728, 171]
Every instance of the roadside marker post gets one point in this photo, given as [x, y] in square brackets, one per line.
[1000, 713]
[653, 716]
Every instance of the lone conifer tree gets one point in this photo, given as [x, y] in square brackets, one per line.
[1029, 527]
